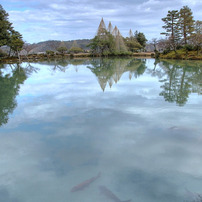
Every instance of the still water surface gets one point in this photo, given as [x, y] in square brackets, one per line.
[130, 127]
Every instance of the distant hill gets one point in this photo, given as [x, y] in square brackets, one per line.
[49, 45]
[53, 45]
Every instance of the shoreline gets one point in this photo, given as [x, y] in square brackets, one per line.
[44, 56]
[38, 57]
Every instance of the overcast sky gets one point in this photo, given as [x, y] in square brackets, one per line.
[43, 20]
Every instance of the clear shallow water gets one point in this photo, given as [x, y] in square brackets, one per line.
[137, 122]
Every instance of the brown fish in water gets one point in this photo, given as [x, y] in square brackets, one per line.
[110, 195]
[85, 183]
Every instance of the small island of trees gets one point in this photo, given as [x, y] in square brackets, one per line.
[183, 36]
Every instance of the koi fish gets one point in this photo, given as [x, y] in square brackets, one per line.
[85, 183]
[110, 195]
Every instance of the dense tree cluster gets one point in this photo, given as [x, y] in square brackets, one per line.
[182, 30]
[8, 36]
[109, 41]
[135, 42]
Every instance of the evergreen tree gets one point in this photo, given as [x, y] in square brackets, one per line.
[5, 27]
[62, 48]
[140, 37]
[75, 48]
[102, 45]
[8, 36]
[186, 23]
[132, 44]
[104, 42]
[172, 27]
[15, 42]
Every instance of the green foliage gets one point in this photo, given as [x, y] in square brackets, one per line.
[178, 82]
[140, 37]
[10, 85]
[180, 25]
[182, 54]
[49, 52]
[172, 27]
[186, 22]
[132, 44]
[102, 44]
[8, 36]
[157, 54]
[76, 50]
[166, 51]
[109, 71]
[2, 54]
[5, 27]
[62, 49]
[15, 42]
[188, 47]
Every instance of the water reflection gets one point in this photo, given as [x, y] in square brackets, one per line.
[63, 64]
[179, 79]
[109, 71]
[65, 130]
[11, 77]
[9, 88]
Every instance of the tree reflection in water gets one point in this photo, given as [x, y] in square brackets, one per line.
[109, 71]
[179, 79]
[11, 76]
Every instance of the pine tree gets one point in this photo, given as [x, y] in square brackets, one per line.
[172, 27]
[132, 43]
[186, 22]
[75, 48]
[141, 38]
[8, 36]
[5, 27]
[15, 42]
[62, 48]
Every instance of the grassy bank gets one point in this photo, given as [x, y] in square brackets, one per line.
[38, 57]
[182, 54]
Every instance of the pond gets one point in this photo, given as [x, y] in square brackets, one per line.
[94, 130]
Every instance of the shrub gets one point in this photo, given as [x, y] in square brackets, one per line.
[2, 53]
[62, 49]
[188, 47]
[76, 50]
[49, 52]
[166, 51]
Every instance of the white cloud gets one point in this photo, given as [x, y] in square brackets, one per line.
[81, 18]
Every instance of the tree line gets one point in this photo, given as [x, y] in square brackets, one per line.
[181, 31]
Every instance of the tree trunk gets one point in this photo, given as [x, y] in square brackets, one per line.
[9, 54]
[18, 54]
